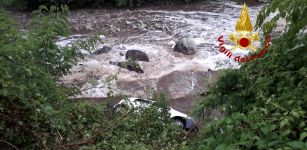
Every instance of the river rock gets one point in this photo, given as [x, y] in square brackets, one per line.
[136, 55]
[141, 25]
[102, 50]
[128, 22]
[182, 83]
[185, 83]
[129, 65]
[89, 27]
[135, 88]
[186, 46]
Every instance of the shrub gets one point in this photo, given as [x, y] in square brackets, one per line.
[30, 63]
[144, 128]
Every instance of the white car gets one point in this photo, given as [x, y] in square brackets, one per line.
[180, 118]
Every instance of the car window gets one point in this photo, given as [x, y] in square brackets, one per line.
[143, 101]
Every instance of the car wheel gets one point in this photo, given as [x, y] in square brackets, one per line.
[191, 126]
[118, 108]
[194, 129]
[180, 122]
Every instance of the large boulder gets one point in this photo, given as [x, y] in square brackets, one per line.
[102, 50]
[130, 65]
[186, 46]
[182, 83]
[136, 55]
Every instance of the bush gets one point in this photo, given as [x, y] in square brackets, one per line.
[144, 128]
[265, 101]
[30, 63]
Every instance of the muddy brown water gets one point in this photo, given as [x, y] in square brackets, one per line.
[154, 30]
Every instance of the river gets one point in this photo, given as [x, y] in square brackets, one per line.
[155, 30]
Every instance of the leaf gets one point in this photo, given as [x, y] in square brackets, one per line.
[296, 144]
[273, 143]
[221, 147]
[303, 136]
[264, 130]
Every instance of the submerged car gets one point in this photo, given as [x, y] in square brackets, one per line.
[180, 118]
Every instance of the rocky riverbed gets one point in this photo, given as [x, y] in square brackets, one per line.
[154, 31]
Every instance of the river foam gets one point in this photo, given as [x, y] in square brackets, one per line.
[155, 33]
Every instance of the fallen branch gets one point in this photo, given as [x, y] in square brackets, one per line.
[27, 129]
[89, 140]
[10, 144]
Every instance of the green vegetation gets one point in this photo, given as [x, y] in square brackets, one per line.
[35, 111]
[264, 102]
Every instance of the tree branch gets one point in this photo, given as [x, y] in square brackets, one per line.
[89, 140]
[25, 128]
[10, 144]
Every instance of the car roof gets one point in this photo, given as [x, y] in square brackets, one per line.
[140, 99]
[173, 112]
